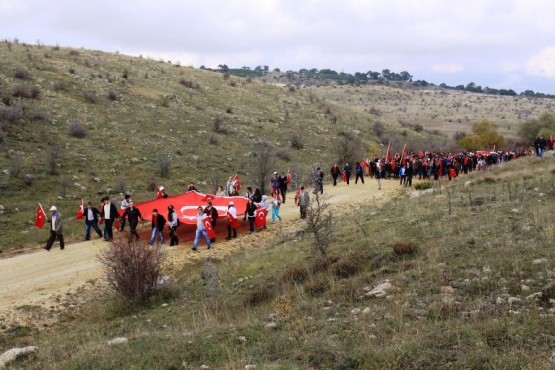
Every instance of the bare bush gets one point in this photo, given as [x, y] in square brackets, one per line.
[296, 141]
[349, 148]
[22, 74]
[76, 129]
[59, 86]
[217, 125]
[378, 128]
[133, 269]
[21, 92]
[73, 53]
[189, 83]
[113, 95]
[34, 93]
[15, 165]
[40, 117]
[319, 222]
[402, 248]
[6, 98]
[90, 97]
[65, 183]
[283, 155]
[164, 167]
[263, 163]
[52, 157]
[11, 114]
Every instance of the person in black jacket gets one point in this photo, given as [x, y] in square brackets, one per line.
[409, 173]
[348, 171]
[158, 223]
[359, 173]
[133, 214]
[283, 186]
[91, 220]
[250, 213]
[335, 173]
[257, 197]
[213, 214]
[109, 213]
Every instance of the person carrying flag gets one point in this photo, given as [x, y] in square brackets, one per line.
[201, 230]
[133, 214]
[91, 220]
[335, 173]
[158, 223]
[56, 229]
[232, 224]
[250, 214]
[213, 214]
[173, 224]
[347, 170]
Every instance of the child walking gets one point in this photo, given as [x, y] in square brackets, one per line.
[275, 209]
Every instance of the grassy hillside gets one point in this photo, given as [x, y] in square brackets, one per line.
[77, 123]
[447, 111]
[472, 286]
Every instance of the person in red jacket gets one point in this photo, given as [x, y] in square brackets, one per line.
[335, 173]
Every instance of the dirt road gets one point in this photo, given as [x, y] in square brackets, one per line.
[37, 283]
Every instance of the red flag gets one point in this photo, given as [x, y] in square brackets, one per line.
[364, 164]
[208, 226]
[40, 218]
[260, 220]
[80, 211]
[237, 183]
[289, 179]
[233, 221]
[344, 176]
[159, 194]
[403, 156]
[388, 154]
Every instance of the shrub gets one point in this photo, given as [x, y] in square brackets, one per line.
[213, 140]
[423, 185]
[40, 117]
[112, 95]
[34, 93]
[22, 74]
[52, 156]
[59, 86]
[164, 166]
[378, 128]
[133, 269]
[323, 263]
[217, 125]
[229, 111]
[73, 53]
[189, 83]
[72, 71]
[259, 295]
[283, 155]
[6, 98]
[296, 141]
[11, 114]
[319, 222]
[76, 129]
[317, 286]
[21, 92]
[405, 248]
[346, 266]
[293, 274]
[90, 97]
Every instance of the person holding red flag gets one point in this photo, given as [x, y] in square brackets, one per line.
[201, 229]
[56, 229]
[91, 215]
[233, 224]
[213, 214]
[388, 153]
[40, 218]
[250, 214]
[80, 211]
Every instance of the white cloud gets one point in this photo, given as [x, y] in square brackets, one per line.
[448, 68]
[542, 64]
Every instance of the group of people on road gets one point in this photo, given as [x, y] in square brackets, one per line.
[402, 167]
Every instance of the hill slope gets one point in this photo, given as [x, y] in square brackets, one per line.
[78, 123]
[466, 275]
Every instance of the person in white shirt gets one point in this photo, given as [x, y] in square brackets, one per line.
[56, 229]
[232, 220]
[201, 229]
[124, 205]
[91, 220]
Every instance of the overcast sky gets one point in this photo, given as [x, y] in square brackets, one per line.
[495, 43]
